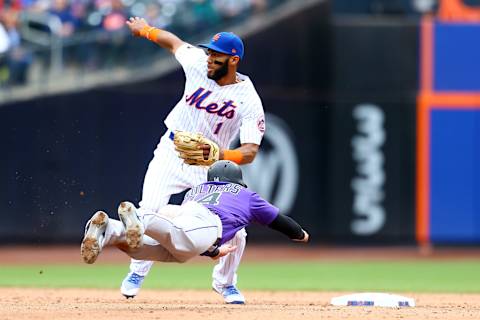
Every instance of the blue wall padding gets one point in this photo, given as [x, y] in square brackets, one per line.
[455, 175]
[456, 57]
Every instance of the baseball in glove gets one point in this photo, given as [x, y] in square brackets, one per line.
[190, 147]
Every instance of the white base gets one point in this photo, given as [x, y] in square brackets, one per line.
[371, 299]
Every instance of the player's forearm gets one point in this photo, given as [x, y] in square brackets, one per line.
[288, 227]
[163, 38]
[242, 155]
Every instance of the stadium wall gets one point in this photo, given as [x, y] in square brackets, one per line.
[340, 154]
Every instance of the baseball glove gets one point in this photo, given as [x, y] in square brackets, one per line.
[189, 146]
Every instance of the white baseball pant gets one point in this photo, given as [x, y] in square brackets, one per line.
[190, 231]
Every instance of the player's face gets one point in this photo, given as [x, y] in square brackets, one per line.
[217, 65]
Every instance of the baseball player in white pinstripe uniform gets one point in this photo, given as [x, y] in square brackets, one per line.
[217, 102]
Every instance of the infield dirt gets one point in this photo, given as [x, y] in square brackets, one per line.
[85, 304]
[73, 304]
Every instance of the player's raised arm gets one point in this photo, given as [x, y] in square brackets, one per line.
[165, 39]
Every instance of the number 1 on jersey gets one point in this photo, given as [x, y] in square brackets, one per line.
[218, 127]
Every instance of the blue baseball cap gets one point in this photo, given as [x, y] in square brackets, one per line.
[226, 42]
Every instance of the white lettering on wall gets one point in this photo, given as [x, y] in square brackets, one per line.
[368, 183]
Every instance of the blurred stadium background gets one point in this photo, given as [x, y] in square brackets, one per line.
[373, 113]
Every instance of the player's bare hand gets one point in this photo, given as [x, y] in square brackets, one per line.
[224, 250]
[136, 24]
[306, 236]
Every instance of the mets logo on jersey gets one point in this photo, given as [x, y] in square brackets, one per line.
[261, 124]
[197, 99]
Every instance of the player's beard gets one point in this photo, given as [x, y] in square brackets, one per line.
[220, 72]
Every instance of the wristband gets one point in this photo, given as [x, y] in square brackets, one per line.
[153, 34]
[150, 33]
[233, 155]
[144, 31]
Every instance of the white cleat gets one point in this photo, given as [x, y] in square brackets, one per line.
[131, 285]
[133, 226]
[230, 294]
[94, 236]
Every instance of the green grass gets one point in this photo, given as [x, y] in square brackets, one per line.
[455, 277]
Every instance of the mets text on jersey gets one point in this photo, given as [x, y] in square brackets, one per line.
[198, 97]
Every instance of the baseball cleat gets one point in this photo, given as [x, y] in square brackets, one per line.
[131, 285]
[94, 236]
[230, 294]
[133, 226]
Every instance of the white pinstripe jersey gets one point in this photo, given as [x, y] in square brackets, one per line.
[218, 112]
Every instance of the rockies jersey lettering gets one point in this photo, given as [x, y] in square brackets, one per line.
[211, 188]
